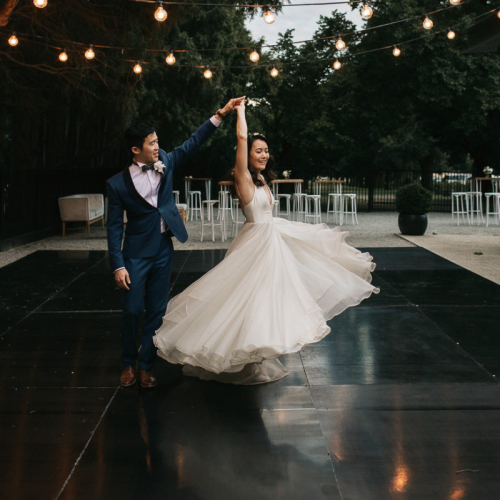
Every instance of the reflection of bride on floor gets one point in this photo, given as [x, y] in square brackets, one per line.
[273, 293]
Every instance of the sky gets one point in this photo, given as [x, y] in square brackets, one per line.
[302, 19]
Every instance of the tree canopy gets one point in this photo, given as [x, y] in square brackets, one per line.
[433, 108]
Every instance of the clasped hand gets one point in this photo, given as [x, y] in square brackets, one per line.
[232, 104]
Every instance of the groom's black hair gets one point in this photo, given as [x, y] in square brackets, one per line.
[136, 133]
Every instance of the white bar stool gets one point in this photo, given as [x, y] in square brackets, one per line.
[337, 207]
[194, 203]
[225, 203]
[276, 208]
[313, 208]
[211, 219]
[460, 206]
[236, 215]
[475, 206]
[298, 207]
[495, 199]
[176, 197]
[346, 197]
[287, 198]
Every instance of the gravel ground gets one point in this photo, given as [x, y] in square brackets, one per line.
[375, 229]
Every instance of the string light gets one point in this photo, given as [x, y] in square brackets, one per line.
[337, 65]
[160, 13]
[254, 56]
[366, 11]
[89, 53]
[40, 3]
[207, 74]
[137, 68]
[427, 24]
[498, 14]
[170, 59]
[340, 44]
[269, 17]
[13, 40]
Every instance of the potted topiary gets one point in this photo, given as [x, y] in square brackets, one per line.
[413, 202]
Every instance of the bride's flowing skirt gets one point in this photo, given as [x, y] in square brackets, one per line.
[273, 293]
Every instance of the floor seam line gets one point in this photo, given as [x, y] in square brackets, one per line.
[459, 346]
[328, 451]
[178, 273]
[87, 444]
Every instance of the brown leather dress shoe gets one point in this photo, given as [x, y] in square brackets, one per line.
[147, 380]
[128, 377]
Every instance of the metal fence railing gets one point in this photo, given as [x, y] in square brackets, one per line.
[378, 191]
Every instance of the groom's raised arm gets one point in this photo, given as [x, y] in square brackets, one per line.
[182, 153]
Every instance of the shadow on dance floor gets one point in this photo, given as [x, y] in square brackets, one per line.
[394, 403]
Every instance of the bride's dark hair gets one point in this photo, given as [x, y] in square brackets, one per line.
[268, 173]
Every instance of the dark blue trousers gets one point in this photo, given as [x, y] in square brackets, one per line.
[149, 289]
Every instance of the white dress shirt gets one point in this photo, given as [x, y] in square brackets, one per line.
[147, 184]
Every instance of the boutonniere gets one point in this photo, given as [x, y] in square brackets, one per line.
[158, 166]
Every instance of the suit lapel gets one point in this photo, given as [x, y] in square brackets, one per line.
[163, 178]
[129, 183]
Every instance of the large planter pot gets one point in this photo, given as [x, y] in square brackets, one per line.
[412, 225]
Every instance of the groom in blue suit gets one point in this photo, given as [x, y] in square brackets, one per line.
[143, 267]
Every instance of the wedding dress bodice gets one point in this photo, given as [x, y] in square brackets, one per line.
[259, 209]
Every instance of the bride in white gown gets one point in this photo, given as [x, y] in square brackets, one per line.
[278, 285]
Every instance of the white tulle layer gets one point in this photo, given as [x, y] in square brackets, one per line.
[272, 294]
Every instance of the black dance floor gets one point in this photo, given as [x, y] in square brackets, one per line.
[400, 401]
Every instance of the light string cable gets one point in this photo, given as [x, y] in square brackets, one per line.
[475, 20]
[250, 6]
[26, 36]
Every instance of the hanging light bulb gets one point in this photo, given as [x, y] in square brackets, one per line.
[160, 13]
[498, 14]
[207, 74]
[269, 17]
[366, 11]
[63, 57]
[137, 68]
[274, 72]
[13, 40]
[455, 2]
[254, 56]
[89, 53]
[340, 44]
[40, 3]
[170, 59]
[337, 65]
[396, 52]
[451, 34]
[427, 24]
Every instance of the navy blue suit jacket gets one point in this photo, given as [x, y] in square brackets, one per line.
[143, 236]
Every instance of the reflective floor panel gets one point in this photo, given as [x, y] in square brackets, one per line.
[400, 401]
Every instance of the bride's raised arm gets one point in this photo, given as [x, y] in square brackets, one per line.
[243, 180]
